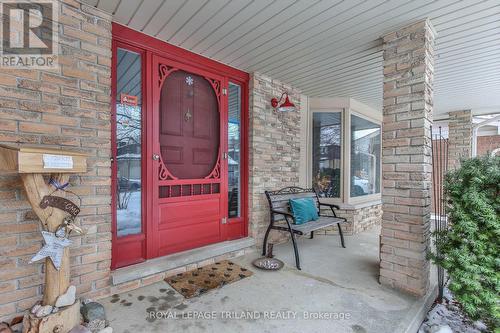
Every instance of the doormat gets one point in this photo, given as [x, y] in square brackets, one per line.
[199, 281]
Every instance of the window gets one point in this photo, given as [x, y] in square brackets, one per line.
[365, 157]
[234, 150]
[128, 142]
[327, 153]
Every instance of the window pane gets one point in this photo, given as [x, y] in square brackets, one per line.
[365, 157]
[327, 135]
[234, 148]
[128, 142]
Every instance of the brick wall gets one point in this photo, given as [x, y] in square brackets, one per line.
[69, 107]
[406, 161]
[487, 144]
[367, 217]
[358, 220]
[459, 137]
[274, 152]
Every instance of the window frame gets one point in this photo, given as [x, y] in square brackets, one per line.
[132, 244]
[347, 107]
[370, 197]
[310, 162]
[242, 171]
[238, 226]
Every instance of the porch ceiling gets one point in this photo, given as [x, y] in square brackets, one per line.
[331, 47]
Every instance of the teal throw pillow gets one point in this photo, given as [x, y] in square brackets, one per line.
[303, 210]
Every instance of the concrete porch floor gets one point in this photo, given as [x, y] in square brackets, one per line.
[333, 281]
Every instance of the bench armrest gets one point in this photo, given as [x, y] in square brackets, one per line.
[329, 205]
[281, 212]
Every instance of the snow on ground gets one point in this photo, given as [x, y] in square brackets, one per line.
[129, 220]
[446, 317]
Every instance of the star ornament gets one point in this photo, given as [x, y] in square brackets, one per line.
[53, 249]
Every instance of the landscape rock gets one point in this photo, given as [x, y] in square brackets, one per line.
[447, 295]
[92, 311]
[4, 328]
[96, 325]
[441, 329]
[55, 309]
[68, 298]
[17, 328]
[447, 317]
[79, 329]
[108, 329]
[35, 308]
[480, 326]
[16, 324]
[43, 311]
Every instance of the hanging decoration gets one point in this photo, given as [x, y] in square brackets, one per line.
[60, 203]
[55, 242]
[188, 115]
[53, 248]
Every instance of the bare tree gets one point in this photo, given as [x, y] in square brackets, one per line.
[128, 136]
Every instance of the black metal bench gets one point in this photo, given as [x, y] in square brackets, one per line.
[282, 219]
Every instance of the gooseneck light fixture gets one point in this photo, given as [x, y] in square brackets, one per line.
[283, 105]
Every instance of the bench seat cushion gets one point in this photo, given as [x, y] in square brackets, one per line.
[322, 222]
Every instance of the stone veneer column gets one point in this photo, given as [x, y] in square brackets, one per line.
[406, 162]
[459, 137]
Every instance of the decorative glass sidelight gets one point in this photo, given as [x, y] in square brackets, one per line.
[234, 150]
[128, 142]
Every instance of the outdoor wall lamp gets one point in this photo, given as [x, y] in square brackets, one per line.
[285, 106]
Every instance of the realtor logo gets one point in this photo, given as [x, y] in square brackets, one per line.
[29, 33]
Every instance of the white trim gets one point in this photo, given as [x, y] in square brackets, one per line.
[353, 206]
[486, 122]
[347, 107]
[329, 103]
[304, 178]
[366, 112]
[309, 140]
[374, 196]
[475, 128]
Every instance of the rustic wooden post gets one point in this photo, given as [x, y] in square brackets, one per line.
[56, 281]
[31, 163]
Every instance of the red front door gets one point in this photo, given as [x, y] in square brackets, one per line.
[189, 177]
[179, 149]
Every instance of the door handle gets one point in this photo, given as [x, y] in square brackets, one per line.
[156, 157]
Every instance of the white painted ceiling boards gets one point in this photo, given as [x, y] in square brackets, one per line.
[331, 47]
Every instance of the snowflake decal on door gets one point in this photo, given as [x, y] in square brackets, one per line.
[189, 80]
